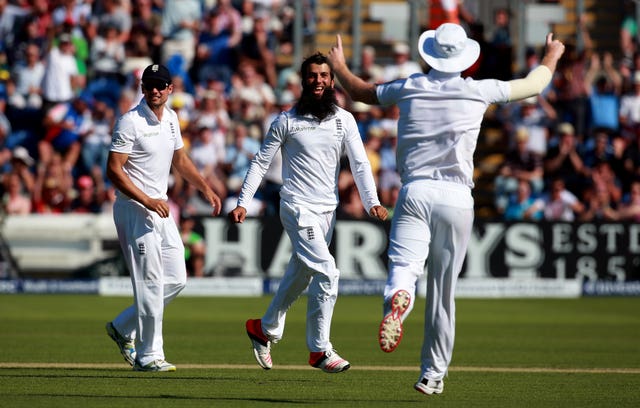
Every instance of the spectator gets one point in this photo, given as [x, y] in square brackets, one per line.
[350, 204]
[75, 14]
[603, 178]
[597, 149]
[388, 177]
[212, 112]
[9, 16]
[250, 88]
[631, 158]
[373, 145]
[570, 91]
[604, 87]
[443, 11]
[630, 209]
[521, 164]
[628, 32]
[524, 206]
[66, 124]
[239, 155]
[22, 164]
[598, 205]
[207, 150]
[629, 116]
[402, 66]
[5, 133]
[96, 142]
[89, 199]
[108, 54]
[500, 56]
[16, 200]
[41, 17]
[216, 54]
[180, 26]
[361, 111]
[28, 76]
[107, 59]
[112, 13]
[52, 185]
[370, 71]
[61, 75]
[194, 247]
[259, 47]
[535, 115]
[563, 161]
[145, 39]
[27, 34]
[603, 195]
[561, 204]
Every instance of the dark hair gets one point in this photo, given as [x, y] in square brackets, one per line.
[318, 59]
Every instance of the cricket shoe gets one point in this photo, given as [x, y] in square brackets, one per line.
[154, 366]
[390, 332]
[429, 387]
[126, 346]
[260, 342]
[328, 361]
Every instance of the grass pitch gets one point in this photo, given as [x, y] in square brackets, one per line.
[509, 353]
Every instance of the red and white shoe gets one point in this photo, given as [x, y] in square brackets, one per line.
[390, 332]
[328, 361]
[260, 342]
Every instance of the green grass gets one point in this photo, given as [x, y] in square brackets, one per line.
[508, 353]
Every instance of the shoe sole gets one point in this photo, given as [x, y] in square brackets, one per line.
[164, 370]
[390, 332]
[112, 333]
[341, 370]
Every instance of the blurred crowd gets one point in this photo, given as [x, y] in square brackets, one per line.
[70, 68]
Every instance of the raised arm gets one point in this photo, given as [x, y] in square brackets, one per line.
[356, 87]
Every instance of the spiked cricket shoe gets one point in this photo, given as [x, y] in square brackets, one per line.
[429, 387]
[328, 361]
[260, 342]
[126, 346]
[390, 332]
[154, 366]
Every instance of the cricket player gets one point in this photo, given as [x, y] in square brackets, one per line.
[146, 143]
[312, 137]
[440, 118]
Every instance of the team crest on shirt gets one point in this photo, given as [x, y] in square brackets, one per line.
[310, 234]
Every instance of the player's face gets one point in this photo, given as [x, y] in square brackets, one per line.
[318, 78]
[156, 93]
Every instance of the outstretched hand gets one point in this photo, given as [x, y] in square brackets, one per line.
[336, 54]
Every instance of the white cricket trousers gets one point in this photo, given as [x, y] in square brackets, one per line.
[154, 253]
[432, 222]
[311, 265]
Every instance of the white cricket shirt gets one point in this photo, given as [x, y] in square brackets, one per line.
[440, 118]
[311, 152]
[150, 145]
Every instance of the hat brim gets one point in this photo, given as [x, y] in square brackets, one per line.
[456, 63]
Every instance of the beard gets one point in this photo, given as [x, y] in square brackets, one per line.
[320, 108]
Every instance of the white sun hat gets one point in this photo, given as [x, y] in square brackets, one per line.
[447, 48]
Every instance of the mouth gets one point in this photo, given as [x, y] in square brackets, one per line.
[318, 90]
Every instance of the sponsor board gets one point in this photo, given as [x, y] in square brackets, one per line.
[121, 286]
